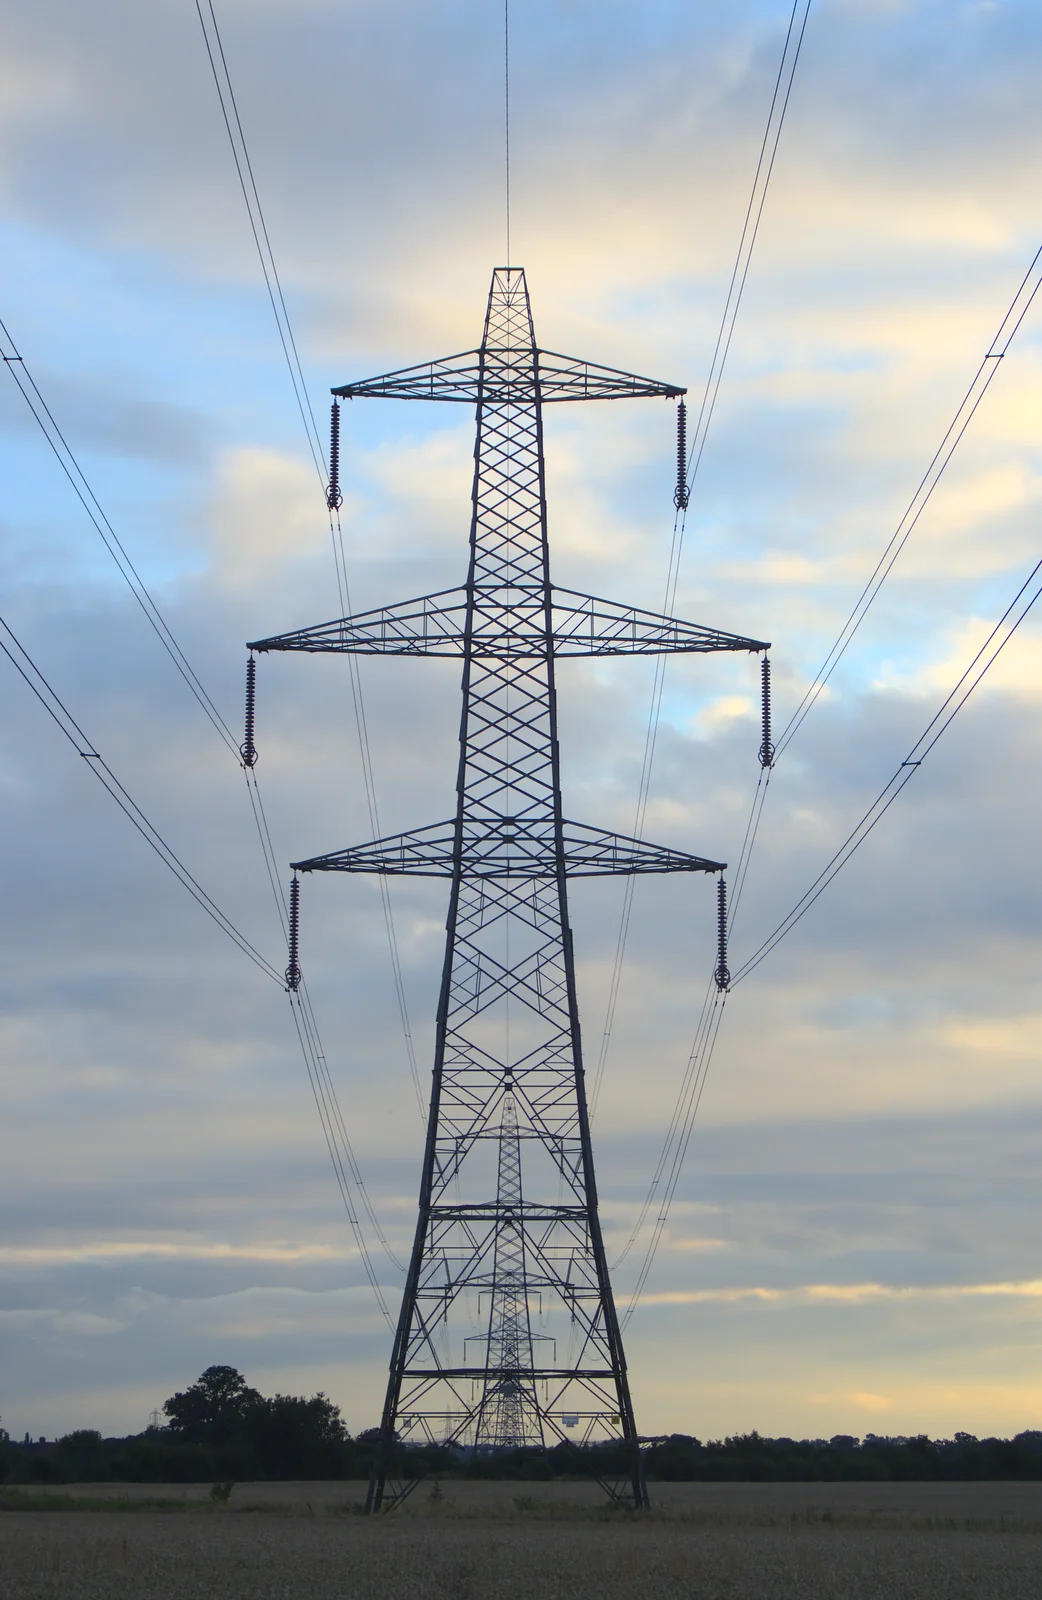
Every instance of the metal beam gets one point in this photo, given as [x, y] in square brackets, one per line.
[509, 626]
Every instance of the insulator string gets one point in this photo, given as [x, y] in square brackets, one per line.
[293, 969]
[766, 746]
[334, 498]
[681, 494]
[721, 976]
[248, 749]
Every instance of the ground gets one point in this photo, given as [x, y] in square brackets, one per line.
[516, 1541]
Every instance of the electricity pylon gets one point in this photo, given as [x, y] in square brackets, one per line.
[508, 1333]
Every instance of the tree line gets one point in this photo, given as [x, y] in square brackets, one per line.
[220, 1428]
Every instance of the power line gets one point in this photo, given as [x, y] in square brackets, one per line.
[683, 1118]
[678, 1134]
[996, 351]
[674, 1150]
[319, 1091]
[273, 284]
[978, 388]
[317, 1066]
[70, 466]
[66, 459]
[59, 713]
[334, 1127]
[942, 719]
[688, 1099]
[790, 55]
[750, 228]
[259, 229]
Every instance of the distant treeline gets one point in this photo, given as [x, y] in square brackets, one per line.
[220, 1429]
[748, 1458]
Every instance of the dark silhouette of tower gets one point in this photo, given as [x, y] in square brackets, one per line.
[508, 1334]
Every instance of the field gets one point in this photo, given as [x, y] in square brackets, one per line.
[484, 1541]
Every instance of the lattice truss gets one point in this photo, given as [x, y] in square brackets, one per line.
[508, 1334]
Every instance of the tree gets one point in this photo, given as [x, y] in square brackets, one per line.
[215, 1410]
[81, 1455]
[294, 1437]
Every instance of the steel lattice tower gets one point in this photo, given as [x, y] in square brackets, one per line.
[508, 1334]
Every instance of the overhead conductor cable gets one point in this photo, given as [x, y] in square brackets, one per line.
[674, 1148]
[790, 56]
[329, 480]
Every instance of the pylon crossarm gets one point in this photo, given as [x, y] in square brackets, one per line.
[585, 625]
[431, 625]
[568, 378]
[584, 1374]
[509, 625]
[508, 847]
[448, 378]
[596, 852]
[489, 1213]
[508, 375]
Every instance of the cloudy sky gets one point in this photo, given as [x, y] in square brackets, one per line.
[853, 1245]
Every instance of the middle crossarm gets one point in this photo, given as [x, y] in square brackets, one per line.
[513, 629]
[508, 847]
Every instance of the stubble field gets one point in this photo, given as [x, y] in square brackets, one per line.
[474, 1541]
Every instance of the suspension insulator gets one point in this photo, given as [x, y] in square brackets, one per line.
[682, 494]
[721, 975]
[293, 970]
[334, 499]
[248, 750]
[766, 748]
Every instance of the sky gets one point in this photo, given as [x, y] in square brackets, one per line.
[853, 1243]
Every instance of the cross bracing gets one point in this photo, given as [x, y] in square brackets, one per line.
[508, 1333]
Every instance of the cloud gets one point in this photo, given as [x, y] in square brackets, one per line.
[865, 1140]
[872, 1402]
[101, 1250]
[845, 1293]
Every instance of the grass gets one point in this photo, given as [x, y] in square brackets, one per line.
[967, 1507]
[50, 1500]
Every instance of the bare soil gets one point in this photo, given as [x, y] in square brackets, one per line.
[514, 1541]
